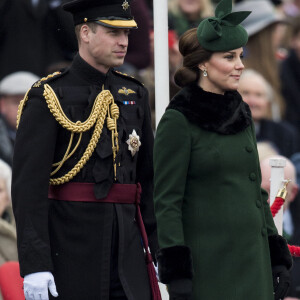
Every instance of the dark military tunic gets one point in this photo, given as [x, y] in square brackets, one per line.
[89, 247]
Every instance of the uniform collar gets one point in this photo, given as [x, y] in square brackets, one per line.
[87, 72]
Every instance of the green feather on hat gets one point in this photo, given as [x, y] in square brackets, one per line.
[223, 32]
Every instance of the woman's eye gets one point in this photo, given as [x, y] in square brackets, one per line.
[229, 57]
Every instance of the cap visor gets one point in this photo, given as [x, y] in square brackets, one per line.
[118, 23]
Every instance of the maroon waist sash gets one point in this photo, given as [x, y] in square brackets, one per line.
[84, 192]
[119, 193]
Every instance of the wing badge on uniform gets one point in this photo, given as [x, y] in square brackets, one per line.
[133, 143]
[125, 91]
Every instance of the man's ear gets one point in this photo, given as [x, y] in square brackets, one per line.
[84, 33]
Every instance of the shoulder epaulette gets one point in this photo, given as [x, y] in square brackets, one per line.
[46, 79]
[128, 77]
[35, 85]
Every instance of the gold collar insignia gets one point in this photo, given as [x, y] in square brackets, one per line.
[125, 5]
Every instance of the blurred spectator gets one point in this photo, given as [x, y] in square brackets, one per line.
[33, 35]
[258, 94]
[138, 53]
[290, 77]
[289, 224]
[13, 87]
[6, 149]
[265, 27]
[150, 6]
[295, 212]
[147, 75]
[187, 14]
[265, 150]
[8, 239]
[291, 8]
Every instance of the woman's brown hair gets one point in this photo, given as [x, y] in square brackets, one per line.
[193, 54]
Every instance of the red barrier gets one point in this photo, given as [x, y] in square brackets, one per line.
[11, 283]
[278, 202]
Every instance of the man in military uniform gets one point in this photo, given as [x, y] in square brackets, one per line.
[87, 131]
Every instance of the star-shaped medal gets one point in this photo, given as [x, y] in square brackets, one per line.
[125, 5]
[133, 143]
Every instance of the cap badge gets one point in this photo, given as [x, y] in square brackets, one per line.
[125, 5]
[125, 91]
[133, 143]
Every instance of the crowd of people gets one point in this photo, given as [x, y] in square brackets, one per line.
[39, 39]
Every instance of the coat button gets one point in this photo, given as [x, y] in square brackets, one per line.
[252, 176]
[249, 149]
[258, 203]
[264, 231]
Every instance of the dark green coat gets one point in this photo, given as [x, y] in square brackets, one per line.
[208, 196]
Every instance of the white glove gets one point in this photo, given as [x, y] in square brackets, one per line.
[156, 271]
[36, 286]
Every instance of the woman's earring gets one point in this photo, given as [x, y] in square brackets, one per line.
[204, 73]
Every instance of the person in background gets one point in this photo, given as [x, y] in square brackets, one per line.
[8, 237]
[25, 23]
[147, 75]
[259, 95]
[186, 14]
[216, 234]
[138, 55]
[288, 224]
[291, 8]
[265, 28]
[8, 245]
[295, 239]
[83, 152]
[290, 77]
[265, 149]
[13, 88]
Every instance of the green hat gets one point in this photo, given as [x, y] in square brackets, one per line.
[223, 32]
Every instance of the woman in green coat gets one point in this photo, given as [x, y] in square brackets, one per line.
[216, 233]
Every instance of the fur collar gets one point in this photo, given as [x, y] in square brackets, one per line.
[224, 114]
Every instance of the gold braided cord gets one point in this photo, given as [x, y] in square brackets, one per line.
[23, 102]
[115, 113]
[62, 119]
[21, 107]
[110, 123]
[112, 126]
[73, 151]
[104, 98]
[59, 164]
[97, 117]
